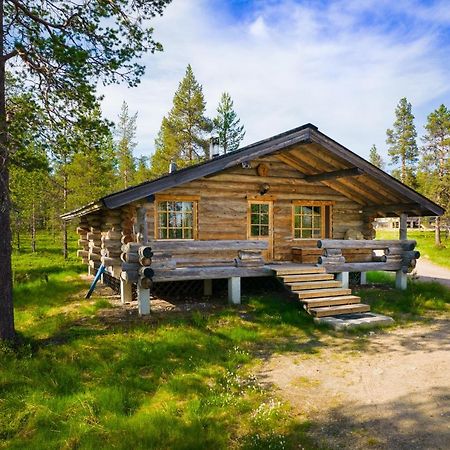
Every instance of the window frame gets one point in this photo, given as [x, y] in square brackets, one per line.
[269, 203]
[323, 227]
[194, 199]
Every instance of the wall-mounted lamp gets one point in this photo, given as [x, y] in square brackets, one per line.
[264, 189]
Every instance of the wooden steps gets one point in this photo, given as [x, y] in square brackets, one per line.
[307, 277]
[330, 301]
[320, 294]
[339, 310]
[300, 270]
[300, 286]
[313, 293]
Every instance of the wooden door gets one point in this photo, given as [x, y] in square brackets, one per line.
[260, 224]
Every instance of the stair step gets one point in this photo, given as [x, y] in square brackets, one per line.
[338, 310]
[311, 293]
[313, 285]
[298, 270]
[307, 277]
[330, 301]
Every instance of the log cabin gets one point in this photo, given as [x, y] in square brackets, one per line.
[297, 206]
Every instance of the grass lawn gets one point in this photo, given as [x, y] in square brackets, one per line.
[79, 381]
[425, 244]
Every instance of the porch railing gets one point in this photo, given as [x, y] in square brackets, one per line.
[177, 260]
[387, 255]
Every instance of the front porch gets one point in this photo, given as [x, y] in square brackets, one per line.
[321, 287]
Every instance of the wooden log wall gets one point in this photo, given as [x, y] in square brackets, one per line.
[83, 243]
[223, 203]
[101, 235]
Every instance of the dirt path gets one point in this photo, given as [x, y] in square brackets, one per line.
[427, 271]
[387, 391]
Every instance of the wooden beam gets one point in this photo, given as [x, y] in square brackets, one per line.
[374, 244]
[354, 171]
[204, 273]
[182, 246]
[363, 267]
[393, 208]
[403, 229]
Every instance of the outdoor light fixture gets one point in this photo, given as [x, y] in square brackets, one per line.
[264, 189]
[214, 148]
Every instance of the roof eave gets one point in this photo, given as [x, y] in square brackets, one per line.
[336, 148]
[83, 211]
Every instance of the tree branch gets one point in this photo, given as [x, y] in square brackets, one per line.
[39, 19]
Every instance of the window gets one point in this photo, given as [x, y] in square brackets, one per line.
[176, 219]
[311, 220]
[259, 219]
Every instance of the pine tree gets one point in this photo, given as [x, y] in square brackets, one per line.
[126, 133]
[182, 137]
[401, 139]
[143, 172]
[227, 125]
[83, 181]
[436, 161]
[375, 158]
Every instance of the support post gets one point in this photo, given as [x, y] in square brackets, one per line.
[343, 278]
[234, 290]
[143, 296]
[401, 280]
[403, 228]
[125, 291]
[363, 278]
[207, 287]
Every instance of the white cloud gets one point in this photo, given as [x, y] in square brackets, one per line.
[286, 64]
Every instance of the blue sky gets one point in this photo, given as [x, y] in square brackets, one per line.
[342, 65]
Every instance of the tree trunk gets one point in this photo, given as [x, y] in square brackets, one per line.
[64, 224]
[7, 331]
[33, 229]
[437, 231]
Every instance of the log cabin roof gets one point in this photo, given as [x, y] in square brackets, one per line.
[317, 157]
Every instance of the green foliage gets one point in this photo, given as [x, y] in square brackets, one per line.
[91, 173]
[375, 158]
[83, 160]
[126, 134]
[143, 172]
[401, 139]
[182, 137]
[227, 125]
[67, 46]
[435, 164]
